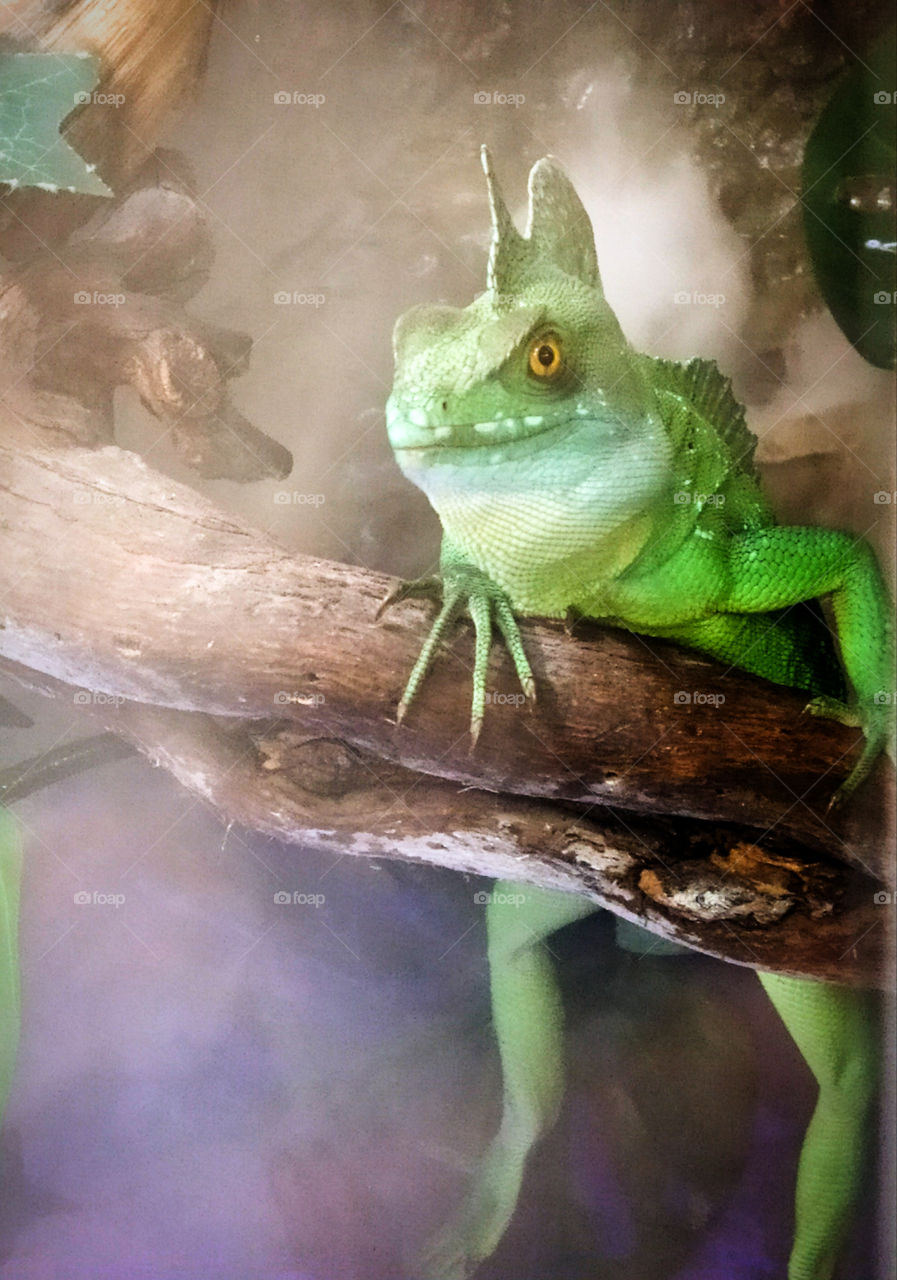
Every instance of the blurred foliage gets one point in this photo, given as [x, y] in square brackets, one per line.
[849, 204]
[37, 92]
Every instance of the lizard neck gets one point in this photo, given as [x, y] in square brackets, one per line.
[552, 526]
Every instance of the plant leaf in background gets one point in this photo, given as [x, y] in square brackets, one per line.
[37, 92]
[10, 877]
[848, 200]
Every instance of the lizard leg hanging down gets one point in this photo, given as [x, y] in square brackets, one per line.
[529, 1025]
[837, 1033]
[834, 1028]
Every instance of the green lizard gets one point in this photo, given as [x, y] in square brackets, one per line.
[571, 473]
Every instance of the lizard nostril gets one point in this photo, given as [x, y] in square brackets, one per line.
[444, 405]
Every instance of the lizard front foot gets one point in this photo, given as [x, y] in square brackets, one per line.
[464, 589]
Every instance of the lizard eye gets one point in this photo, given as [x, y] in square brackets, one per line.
[545, 357]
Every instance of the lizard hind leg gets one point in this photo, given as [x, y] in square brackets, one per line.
[835, 1030]
[528, 1021]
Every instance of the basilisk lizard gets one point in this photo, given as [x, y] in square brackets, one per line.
[573, 474]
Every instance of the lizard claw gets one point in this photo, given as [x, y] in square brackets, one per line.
[876, 719]
[832, 709]
[836, 801]
[429, 587]
[463, 588]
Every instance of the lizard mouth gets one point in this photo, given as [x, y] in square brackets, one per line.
[420, 436]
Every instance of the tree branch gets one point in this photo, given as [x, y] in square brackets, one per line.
[168, 615]
[702, 884]
[133, 586]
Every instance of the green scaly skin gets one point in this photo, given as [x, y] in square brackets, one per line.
[10, 1012]
[622, 487]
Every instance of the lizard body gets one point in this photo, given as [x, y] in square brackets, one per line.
[571, 473]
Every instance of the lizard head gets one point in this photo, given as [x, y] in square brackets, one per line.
[537, 353]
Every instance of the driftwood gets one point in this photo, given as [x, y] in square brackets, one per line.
[262, 681]
[706, 885]
[106, 312]
[166, 615]
[132, 585]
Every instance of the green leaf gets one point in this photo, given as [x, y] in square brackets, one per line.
[848, 204]
[10, 877]
[37, 92]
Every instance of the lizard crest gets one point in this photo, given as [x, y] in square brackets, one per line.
[539, 347]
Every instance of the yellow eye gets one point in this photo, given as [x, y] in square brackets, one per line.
[545, 357]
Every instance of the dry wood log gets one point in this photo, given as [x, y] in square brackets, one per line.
[104, 311]
[133, 587]
[706, 885]
[128, 584]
